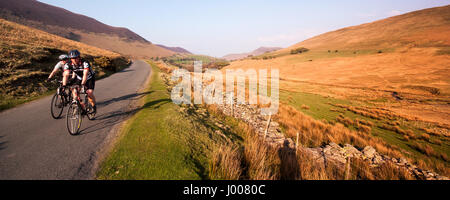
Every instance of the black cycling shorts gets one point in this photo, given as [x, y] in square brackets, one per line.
[90, 84]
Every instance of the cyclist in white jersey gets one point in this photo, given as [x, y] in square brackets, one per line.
[63, 59]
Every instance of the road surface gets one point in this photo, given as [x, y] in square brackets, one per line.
[33, 145]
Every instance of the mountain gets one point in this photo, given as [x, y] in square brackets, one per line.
[175, 49]
[256, 52]
[78, 27]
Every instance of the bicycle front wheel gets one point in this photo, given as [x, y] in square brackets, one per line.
[74, 118]
[57, 106]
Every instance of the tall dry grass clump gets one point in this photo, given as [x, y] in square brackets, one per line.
[225, 163]
[345, 120]
[364, 122]
[310, 168]
[361, 170]
[262, 160]
[425, 149]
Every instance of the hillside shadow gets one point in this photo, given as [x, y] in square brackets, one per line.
[114, 117]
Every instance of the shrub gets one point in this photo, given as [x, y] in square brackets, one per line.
[425, 149]
[299, 50]
[425, 137]
[444, 157]
[104, 63]
[305, 107]
[367, 123]
[364, 128]
[406, 138]
[344, 120]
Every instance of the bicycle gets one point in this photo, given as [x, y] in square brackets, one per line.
[76, 112]
[60, 100]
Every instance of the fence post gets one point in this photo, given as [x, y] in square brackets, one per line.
[267, 126]
[347, 169]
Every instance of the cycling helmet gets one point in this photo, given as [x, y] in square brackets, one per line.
[63, 57]
[74, 54]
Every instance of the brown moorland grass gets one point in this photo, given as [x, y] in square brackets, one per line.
[315, 133]
[257, 160]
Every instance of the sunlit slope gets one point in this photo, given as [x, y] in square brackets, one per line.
[424, 28]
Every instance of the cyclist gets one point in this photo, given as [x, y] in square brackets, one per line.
[85, 76]
[63, 59]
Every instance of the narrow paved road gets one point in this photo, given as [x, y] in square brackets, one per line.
[33, 145]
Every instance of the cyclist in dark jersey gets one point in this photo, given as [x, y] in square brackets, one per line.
[84, 73]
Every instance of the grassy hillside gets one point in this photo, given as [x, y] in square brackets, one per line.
[388, 79]
[28, 56]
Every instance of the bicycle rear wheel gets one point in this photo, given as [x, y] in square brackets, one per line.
[57, 106]
[74, 118]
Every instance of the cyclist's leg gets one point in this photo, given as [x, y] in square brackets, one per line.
[76, 92]
[91, 96]
[90, 85]
[83, 104]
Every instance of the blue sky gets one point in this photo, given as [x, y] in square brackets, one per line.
[217, 28]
